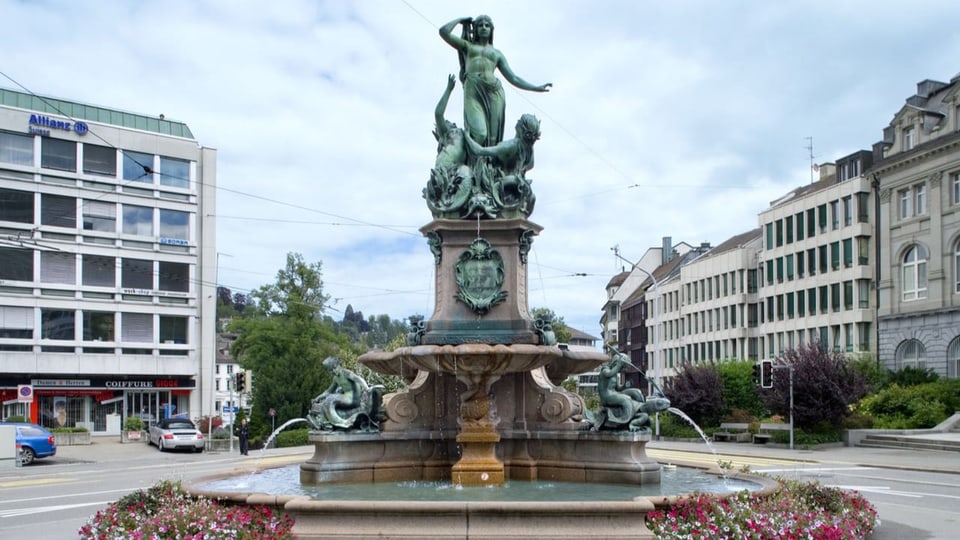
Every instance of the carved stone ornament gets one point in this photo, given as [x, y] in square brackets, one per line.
[526, 241]
[480, 275]
[434, 240]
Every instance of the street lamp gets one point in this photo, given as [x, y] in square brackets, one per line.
[657, 373]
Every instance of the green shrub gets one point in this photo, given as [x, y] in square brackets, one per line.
[292, 437]
[16, 419]
[69, 430]
[677, 428]
[133, 423]
[913, 407]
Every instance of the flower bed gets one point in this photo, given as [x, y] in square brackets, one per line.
[799, 510]
[166, 511]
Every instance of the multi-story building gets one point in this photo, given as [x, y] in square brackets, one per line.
[107, 250]
[716, 305]
[917, 169]
[816, 266]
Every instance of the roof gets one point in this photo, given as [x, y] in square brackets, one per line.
[577, 334]
[93, 113]
[735, 242]
[618, 279]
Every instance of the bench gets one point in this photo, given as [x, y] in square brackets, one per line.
[764, 438]
[732, 431]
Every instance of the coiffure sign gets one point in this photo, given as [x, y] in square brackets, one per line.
[42, 125]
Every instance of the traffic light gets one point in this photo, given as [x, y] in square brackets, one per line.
[766, 374]
[756, 374]
[241, 382]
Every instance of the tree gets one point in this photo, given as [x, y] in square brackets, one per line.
[283, 342]
[739, 391]
[825, 385]
[697, 390]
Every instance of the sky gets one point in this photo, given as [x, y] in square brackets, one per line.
[680, 119]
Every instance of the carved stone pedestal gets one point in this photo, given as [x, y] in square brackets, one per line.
[478, 464]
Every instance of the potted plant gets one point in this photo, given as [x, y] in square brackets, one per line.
[132, 430]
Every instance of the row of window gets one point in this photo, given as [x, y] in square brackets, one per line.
[808, 223]
[91, 326]
[719, 286]
[92, 159]
[823, 258]
[57, 267]
[60, 211]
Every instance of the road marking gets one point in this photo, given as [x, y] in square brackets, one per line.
[887, 491]
[35, 482]
[40, 509]
[68, 495]
[672, 456]
[815, 468]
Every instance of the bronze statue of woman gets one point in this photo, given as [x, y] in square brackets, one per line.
[483, 98]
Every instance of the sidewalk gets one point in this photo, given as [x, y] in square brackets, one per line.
[906, 459]
[110, 449]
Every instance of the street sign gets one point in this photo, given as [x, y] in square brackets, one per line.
[231, 409]
[24, 393]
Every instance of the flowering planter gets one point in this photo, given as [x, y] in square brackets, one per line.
[133, 437]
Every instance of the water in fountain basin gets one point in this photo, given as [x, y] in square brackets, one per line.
[285, 481]
[703, 436]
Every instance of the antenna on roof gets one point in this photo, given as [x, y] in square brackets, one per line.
[809, 148]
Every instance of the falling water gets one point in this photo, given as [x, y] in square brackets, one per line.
[703, 436]
[278, 430]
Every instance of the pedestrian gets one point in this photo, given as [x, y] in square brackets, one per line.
[244, 432]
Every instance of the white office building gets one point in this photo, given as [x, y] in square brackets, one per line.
[107, 265]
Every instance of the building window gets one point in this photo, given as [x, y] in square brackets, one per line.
[835, 297]
[174, 276]
[811, 223]
[136, 274]
[137, 167]
[137, 220]
[98, 326]
[788, 225]
[848, 252]
[863, 250]
[58, 267]
[835, 215]
[174, 224]
[16, 322]
[812, 261]
[174, 172]
[847, 210]
[58, 154]
[956, 267]
[99, 160]
[955, 188]
[789, 262]
[905, 206]
[848, 299]
[915, 273]
[822, 218]
[136, 327]
[16, 205]
[99, 216]
[16, 264]
[920, 199]
[863, 293]
[779, 228]
[863, 207]
[911, 353]
[16, 149]
[173, 330]
[909, 138]
[824, 261]
[835, 255]
[953, 358]
[99, 271]
[57, 324]
[58, 211]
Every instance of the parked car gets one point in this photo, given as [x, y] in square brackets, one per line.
[35, 441]
[171, 433]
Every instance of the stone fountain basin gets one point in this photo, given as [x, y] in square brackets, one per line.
[481, 358]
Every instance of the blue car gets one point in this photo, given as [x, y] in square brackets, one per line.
[35, 442]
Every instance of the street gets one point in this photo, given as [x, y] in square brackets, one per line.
[51, 499]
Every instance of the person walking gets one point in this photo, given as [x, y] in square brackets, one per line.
[244, 432]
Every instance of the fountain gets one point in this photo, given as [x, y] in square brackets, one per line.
[483, 406]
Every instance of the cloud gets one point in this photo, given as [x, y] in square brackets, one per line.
[681, 119]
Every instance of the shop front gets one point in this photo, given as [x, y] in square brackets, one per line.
[98, 403]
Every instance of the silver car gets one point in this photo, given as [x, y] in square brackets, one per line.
[171, 433]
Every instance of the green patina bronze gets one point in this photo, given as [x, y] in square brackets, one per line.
[622, 408]
[479, 274]
[477, 174]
